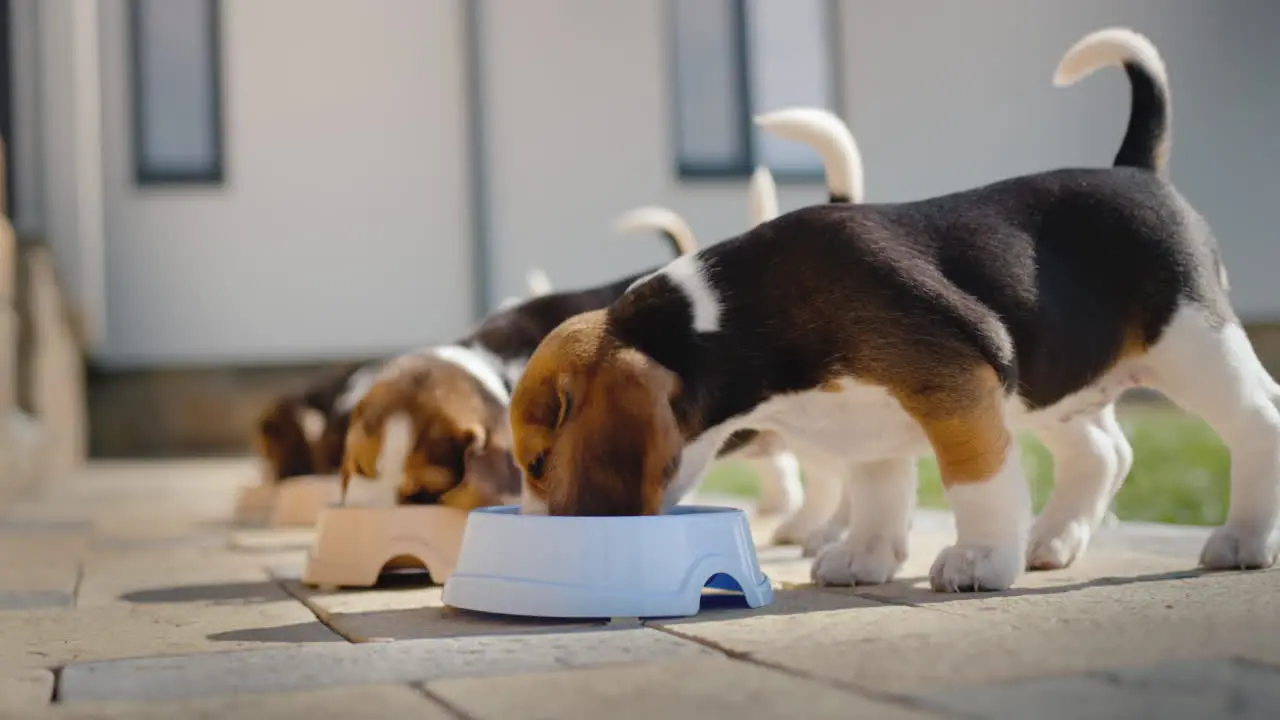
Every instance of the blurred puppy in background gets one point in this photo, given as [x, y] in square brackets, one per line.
[304, 433]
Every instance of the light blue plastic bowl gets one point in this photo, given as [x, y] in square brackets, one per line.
[604, 567]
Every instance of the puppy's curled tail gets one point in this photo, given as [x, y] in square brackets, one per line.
[830, 136]
[538, 282]
[1148, 138]
[762, 196]
[671, 225]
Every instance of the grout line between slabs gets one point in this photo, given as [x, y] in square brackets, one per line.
[75, 587]
[434, 697]
[322, 616]
[56, 691]
[885, 697]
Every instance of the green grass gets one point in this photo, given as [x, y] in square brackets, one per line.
[1180, 471]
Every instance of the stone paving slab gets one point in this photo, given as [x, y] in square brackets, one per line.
[305, 668]
[1095, 568]
[1171, 691]
[181, 574]
[46, 563]
[970, 639]
[695, 689]
[386, 702]
[48, 638]
[23, 689]
[409, 613]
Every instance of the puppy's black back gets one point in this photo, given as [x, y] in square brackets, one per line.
[1047, 278]
[516, 331]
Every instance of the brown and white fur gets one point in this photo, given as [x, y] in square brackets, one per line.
[432, 429]
[432, 426]
[872, 334]
[304, 433]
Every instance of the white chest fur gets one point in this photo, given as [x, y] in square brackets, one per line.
[857, 423]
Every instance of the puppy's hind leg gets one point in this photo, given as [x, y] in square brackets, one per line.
[1091, 458]
[879, 500]
[1210, 369]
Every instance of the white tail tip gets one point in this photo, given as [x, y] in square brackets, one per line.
[538, 282]
[659, 219]
[1109, 47]
[762, 196]
[831, 137]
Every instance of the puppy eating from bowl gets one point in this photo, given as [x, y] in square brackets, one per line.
[304, 433]
[876, 333]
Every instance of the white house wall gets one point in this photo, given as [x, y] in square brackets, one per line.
[69, 146]
[944, 96]
[342, 227]
[578, 112]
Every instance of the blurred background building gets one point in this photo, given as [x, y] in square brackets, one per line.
[237, 193]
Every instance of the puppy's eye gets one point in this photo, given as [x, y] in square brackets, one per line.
[536, 467]
[566, 404]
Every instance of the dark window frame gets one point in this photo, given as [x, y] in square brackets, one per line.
[748, 155]
[215, 174]
[6, 107]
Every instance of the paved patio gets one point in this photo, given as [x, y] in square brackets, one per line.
[125, 593]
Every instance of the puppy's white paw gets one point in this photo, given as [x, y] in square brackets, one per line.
[1054, 548]
[962, 568]
[795, 530]
[872, 561]
[1231, 549]
[820, 538]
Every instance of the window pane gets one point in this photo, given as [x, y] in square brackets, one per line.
[709, 102]
[177, 100]
[791, 52]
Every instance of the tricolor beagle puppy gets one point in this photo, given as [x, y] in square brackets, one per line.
[432, 426]
[872, 334]
[304, 433]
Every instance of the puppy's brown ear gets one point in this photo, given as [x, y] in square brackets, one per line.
[281, 440]
[621, 444]
[490, 476]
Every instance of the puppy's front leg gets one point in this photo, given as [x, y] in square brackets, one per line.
[823, 488]
[879, 499]
[780, 490]
[963, 416]
[834, 529]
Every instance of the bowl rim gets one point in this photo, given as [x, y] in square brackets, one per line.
[678, 512]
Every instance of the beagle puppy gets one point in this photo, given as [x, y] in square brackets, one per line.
[873, 333]
[304, 433]
[432, 427]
